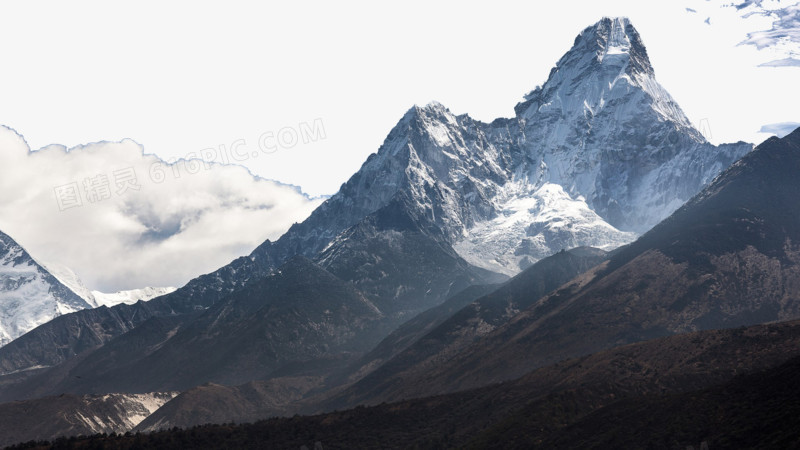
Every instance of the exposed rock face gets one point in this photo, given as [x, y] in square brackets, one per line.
[69, 415]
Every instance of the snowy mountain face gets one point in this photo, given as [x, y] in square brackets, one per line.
[32, 294]
[29, 294]
[597, 155]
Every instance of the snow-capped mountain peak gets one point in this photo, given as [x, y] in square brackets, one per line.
[600, 136]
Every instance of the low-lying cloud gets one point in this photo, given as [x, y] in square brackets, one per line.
[123, 219]
[780, 129]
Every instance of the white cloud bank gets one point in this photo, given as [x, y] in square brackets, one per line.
[123, 219]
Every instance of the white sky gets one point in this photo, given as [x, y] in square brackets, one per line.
[181, 77]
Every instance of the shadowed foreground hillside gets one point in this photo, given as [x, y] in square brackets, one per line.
[718, 386]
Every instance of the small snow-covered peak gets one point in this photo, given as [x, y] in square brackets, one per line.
[433, 111]
[433, 107]
[416, 119]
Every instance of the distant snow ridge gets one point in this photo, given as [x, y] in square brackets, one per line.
[595, 156]
[29, 294]
[130, 297]
[96, 298]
